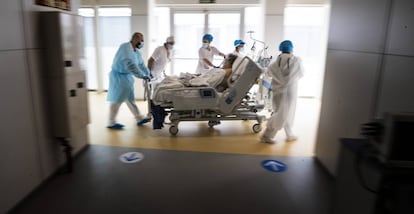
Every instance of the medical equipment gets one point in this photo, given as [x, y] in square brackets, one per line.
[263, 93]
[207, 104]
[262, 57]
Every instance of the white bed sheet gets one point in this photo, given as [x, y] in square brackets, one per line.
[212, 78]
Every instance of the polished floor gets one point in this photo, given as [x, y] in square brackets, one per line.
[234, 137]
[201, 170]
[183, 182]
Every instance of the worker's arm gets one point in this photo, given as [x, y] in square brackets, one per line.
[208, 62]
[150, 63]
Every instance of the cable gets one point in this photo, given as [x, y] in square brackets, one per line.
[357, 163]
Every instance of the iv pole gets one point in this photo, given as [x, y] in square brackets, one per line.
[262, 56]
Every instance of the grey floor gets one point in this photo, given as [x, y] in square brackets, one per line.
[183, 182]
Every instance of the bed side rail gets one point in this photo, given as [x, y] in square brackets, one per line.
[239, 88]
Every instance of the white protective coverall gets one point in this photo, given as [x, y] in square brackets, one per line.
[285, 73]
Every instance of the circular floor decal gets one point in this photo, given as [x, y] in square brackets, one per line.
[131, 157]
[274, 165]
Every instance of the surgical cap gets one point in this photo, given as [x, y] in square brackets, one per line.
[286, 46]
[238, 42]
[170, 39]
[208, 37]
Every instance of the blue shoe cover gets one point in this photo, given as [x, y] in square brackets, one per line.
[143, 121]
[115, 126]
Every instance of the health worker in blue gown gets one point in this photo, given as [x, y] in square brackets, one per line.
[127, 64]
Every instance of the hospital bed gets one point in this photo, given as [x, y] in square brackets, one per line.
[207, 104]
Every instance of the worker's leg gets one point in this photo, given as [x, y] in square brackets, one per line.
[270, 130]
[135, 111]
[289, 133]
[113, 112]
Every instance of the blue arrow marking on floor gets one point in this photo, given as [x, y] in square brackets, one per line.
[274, 165]
[131, 157]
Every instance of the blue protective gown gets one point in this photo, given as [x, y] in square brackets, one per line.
[127, 64]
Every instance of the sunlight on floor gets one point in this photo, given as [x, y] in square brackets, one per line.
[229, 137]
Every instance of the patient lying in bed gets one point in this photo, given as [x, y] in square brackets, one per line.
[216, 78]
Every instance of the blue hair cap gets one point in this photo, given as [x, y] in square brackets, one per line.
[238, 42]
[208, 37]
[286, 46]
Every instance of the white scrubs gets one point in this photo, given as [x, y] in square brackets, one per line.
[285, 71]
[238, 53]
[161, 57]
[208, 54]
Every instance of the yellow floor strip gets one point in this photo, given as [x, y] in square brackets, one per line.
[235, 137]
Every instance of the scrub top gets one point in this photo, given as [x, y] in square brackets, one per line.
[161, 58]
[208, 54]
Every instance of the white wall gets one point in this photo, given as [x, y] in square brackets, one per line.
[368, 69]
[273, 24]
[27, 155]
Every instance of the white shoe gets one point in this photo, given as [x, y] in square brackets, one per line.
[291, 138]
[267, 140]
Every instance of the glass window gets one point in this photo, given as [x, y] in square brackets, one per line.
[86, 12]
[160, 30]
[188, 31]
[225, 27]
[115, 29]
[114, 11]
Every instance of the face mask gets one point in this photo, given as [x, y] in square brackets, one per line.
[205, 45]
[140, 45]
[241, 50]
[169, 46]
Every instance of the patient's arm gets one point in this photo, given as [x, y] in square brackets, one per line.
[227, 75]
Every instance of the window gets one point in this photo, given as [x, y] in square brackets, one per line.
[115, 29]
[114, 26]
[188, 30]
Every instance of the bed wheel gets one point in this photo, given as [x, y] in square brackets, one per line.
[212, 123]
[257, 128]
[173, 130]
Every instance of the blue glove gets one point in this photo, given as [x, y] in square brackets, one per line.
[146, 78]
